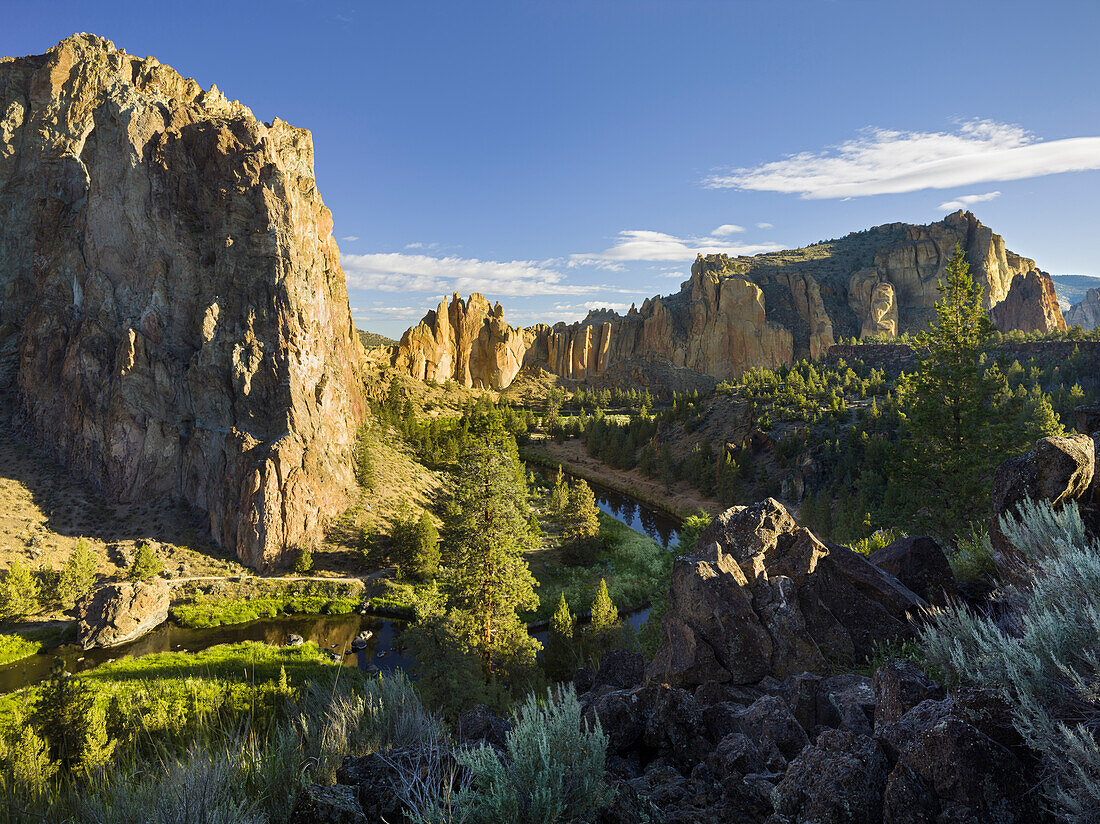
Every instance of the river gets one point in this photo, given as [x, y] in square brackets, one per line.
[384, 652]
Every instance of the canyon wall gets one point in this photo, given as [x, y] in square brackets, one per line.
[174, 321]
[733, 314]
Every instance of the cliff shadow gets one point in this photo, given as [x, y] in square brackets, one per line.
[45, 509]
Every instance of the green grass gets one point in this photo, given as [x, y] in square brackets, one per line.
[24, 643]
[634, 566]
[14, 647]
[215, 612]
[396, 597]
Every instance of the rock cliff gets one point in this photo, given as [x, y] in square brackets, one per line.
[1086, 314]
[174, 320]
[733, 314]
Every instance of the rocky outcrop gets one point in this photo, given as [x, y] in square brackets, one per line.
[465, 341]
[733, 314]
[175, 319]
[1057, 470]
[1030, 305]
[919, 562]
[1086, 313]
[761, 596]
[116, 614]
[890, 749]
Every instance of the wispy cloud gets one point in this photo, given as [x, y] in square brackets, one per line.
[764, 226]
[644, 244]
[350, 238]
[967, 200]
[396, 272]
[882, 161]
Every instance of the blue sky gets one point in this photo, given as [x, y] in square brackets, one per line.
[561, 155]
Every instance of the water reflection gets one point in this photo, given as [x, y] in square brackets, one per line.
[332, 633]
[384, 652]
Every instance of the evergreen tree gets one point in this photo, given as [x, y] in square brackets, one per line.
[559, 493]
[62, 715]
[603, 624]
[582, 521]
[18, 593]
[491, 581]
[303, 563]
[560, 657]
[78, 575]
[950, 423]
[425, 559]
[147, 565]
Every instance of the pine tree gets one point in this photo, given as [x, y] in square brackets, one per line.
[560, 656]
[603, 624]
[425, 560]
[950, 423]
[62, 715]
[18, 593]
[491, 580]
[146, 564]
[78, 575]
[582, 518]
[559, 493]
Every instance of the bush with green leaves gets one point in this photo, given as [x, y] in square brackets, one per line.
[553, 770]
[1043, 657]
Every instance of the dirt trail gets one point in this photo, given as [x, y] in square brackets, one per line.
[684, 500]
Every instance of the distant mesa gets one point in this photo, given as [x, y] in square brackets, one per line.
[174, 321]
[734, 314]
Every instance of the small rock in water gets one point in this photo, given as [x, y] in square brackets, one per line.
[294, 640]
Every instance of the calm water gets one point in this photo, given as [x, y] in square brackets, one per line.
[384, 651]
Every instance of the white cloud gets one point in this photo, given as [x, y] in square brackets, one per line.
[764, 226]
[643, 244]
[882, 161]
[966, 200]
[396, 272]
[350, 238]
[727, 229]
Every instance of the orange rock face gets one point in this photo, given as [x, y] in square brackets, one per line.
[176, 319]
[734, 314]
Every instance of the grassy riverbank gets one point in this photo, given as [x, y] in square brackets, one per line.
[250, 599]
[23, 643]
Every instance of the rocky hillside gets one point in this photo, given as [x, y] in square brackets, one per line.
[174, 320]
[737, 313]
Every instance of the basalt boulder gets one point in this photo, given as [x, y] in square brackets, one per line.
[761, 596]
[920, 564]
[116, 614]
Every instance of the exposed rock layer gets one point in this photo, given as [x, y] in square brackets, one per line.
[173, 314]
[737, 313]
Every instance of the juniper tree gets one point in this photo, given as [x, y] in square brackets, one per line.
[147, 565]
[18, 593]
[78, 575]
[62, 715]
